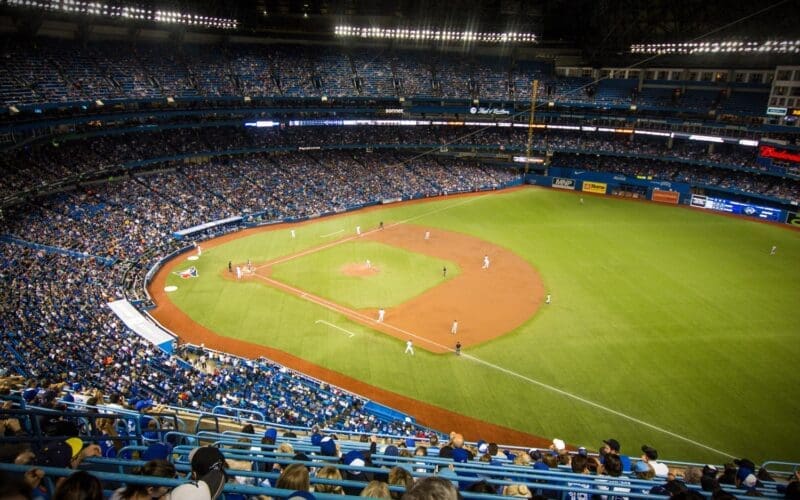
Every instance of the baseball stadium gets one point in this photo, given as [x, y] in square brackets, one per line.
[466, 249]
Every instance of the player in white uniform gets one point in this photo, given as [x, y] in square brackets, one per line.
[454, 328]
[427, 235]
[238, 273]
[409, 347]
[774, 249]
[369, 264]
[547, 299]
[199, 251]
[292, 233]
[358, 230]
[381, 314]
[485, 262]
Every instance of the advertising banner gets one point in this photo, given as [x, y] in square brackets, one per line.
[735, 207]
[665, 196]
[562, 183]
[793, 219]
[595, 187]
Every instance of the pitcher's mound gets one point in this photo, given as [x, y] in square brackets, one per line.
[359, 270]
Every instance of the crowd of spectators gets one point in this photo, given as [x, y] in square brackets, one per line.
[56, 328]
[35, 165]
[319, 460]
[46, 71]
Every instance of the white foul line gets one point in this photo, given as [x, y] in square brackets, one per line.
[331, 234]
[351, 238]
[351, 334]
[345, 311]
[342, 310]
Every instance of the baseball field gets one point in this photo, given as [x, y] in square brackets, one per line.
[667, 326]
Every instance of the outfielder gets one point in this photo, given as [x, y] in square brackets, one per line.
[381, 314]
[774, 249]
[292, 233]
[547, 299]
[409, 347]
[358, 230]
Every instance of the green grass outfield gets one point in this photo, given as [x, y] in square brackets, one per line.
[318, 273]
[661, 317]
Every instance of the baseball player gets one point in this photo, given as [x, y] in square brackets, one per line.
[381, 314]
[427, 235]
[547, 299]
[774, 249]
[199, 251]
[358, 230]
[458, 348]
[380, 226]
[485, 262]
[292, 233]
[454, 327]
[444, 272]
[409, 347]
[369, 264]
[238, 273]
[230, 267]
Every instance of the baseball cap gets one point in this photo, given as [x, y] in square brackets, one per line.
[76, 445]
[354, 458]
[327, 446]
[613, 444]
[206, 458]
[144, 404]
[650, 452]
[582, 452]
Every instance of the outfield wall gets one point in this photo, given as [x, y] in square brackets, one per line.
[605, 183]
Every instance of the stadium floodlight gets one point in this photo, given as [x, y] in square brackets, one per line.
[730, 46]
[433, 34]
[87, 8]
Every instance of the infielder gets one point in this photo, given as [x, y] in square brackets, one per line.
[454, 328]
[238, 273]
[409, 347]
[381, 314]
[444, 272]
[458, 348]
[369, 264]
[427, 235]
[485, 262]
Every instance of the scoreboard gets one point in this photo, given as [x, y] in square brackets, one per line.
[735, 207]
